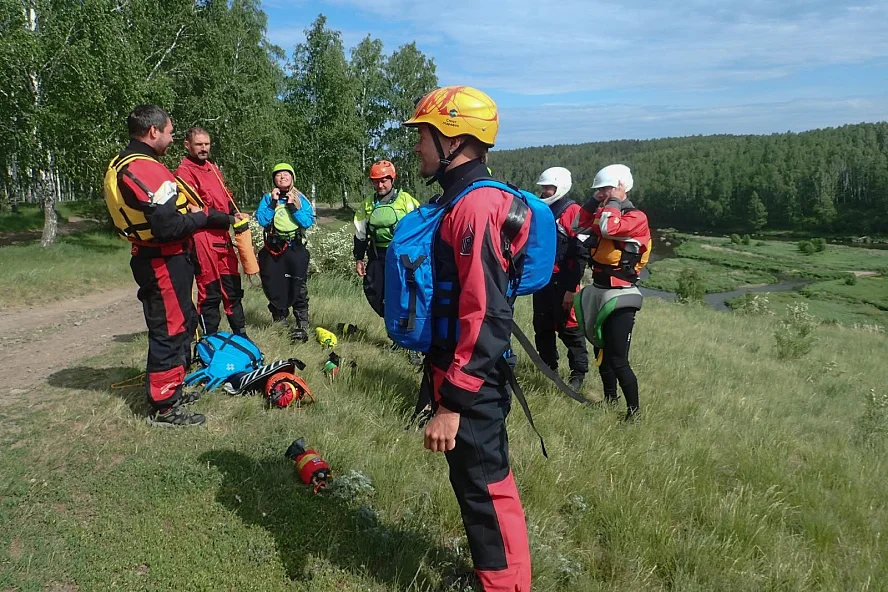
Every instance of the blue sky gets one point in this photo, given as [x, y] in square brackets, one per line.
[588, 70]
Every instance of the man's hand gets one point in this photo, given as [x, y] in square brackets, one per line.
[194, 208]
[440, 434]
[360, 268]
[568, 300]
[240, 216]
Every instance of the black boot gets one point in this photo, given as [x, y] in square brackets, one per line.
[300, 333]
[576, 381]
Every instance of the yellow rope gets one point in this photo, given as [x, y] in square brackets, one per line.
[130, 382]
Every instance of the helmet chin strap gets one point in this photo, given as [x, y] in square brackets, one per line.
[443, 160]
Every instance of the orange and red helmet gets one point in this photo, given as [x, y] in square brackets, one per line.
[285, 388]
[383, 169]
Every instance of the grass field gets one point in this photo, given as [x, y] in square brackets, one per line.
[77, 264]
[30, 216]
[782, 258]
[664, 275]
[867, 290]
[746, 473]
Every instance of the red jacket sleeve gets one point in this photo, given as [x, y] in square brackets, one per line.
[473, 231]
[611, 223]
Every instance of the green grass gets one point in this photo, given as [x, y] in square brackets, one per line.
[77, 264]
[747, 473]
[831, 311]
[868, 290]
[782, 258]
[664, 275]
[28, 217]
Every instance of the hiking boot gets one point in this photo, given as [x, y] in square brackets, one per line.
[299, 334]
[414, 358]
[576, 381]
[176, 416]
[633, 415]
[188, 397]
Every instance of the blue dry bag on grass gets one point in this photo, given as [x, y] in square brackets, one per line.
[223, 355]
[410, 272]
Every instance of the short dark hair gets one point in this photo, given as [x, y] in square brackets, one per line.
[195, 130]
[143, 117]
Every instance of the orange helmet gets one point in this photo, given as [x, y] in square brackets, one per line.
[285, 388]
[383, 169]
[458, 110]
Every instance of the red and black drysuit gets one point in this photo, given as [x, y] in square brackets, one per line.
[164, 272]
[549, 316]
[465, 372]
[217, 274]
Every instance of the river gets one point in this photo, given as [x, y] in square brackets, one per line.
[663, 249]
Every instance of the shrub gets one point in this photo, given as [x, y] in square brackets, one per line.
[851, 279]
[760, 244]
[690, 286]
[807, 247]
[331, 251]
[752, 304]
[746, 239]
[735, 239]
[794, 335]
[872, 425]
[819, 244]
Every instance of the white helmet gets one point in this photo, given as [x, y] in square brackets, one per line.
[558, 177]
[613, 175]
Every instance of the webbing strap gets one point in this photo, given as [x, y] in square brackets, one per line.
[515, 218]
[504, 367]
[225, 187]
[410, 279]
[230, 341]
[544, 368]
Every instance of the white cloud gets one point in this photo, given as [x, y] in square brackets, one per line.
[533, 47]
[558, 124]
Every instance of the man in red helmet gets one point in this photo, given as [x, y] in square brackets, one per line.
[218, 278]
[466, 371]
[375, 223]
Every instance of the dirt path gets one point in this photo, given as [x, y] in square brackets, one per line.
[37, 341]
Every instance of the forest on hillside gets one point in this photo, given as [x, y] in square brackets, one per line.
[826, 180]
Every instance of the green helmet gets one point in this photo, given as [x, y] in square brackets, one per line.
[283, 166]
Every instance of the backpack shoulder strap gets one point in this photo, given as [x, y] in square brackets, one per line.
[504, 367]
[544, 368]
[563, 204]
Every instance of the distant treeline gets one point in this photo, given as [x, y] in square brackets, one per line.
[828, 180]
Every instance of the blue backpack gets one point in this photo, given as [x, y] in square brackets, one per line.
[224, 355]
[410, 272]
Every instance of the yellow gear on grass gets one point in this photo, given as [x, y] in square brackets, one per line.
[325, 337]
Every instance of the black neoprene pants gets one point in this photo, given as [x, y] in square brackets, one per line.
[617, 334]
